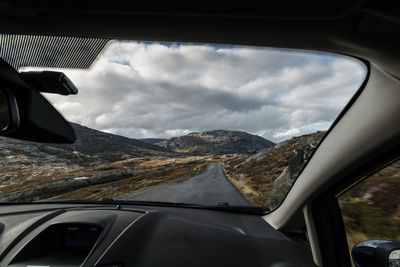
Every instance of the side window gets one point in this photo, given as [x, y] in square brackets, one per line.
[371, 209]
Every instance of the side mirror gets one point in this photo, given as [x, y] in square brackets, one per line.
[25, 114]
[376, 253]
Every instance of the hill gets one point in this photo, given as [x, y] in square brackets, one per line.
[216, 142]
[91, 145]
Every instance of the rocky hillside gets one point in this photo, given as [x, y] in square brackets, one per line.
[265, 177]
[91, 146]
[216, 142]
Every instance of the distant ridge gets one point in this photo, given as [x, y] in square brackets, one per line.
[91, 145]
[216, 142]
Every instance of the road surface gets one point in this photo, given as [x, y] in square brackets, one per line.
[206, 188]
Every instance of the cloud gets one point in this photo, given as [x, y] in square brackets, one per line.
[286, 133]
[140, 89]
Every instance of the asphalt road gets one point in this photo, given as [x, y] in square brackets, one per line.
[206, 188]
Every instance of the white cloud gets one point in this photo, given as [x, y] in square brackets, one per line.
[290, 132]
[156, 90]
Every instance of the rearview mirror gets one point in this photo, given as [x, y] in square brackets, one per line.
[25, 114]
[372, 253]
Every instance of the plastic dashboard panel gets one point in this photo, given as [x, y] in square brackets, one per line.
[149, 236]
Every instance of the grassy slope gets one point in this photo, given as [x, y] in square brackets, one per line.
[29, 174]
[118, 189]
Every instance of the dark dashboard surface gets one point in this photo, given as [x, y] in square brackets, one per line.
[114, 235]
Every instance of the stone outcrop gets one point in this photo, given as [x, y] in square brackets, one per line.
[285, 180]
[296, 163]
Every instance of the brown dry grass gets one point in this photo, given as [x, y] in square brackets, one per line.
[256, 177]
[241, 185]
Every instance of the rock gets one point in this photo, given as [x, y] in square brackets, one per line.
[284, 177]
[296, 163]
[277, 194]
[257, 157]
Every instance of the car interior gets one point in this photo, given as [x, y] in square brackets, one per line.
[305, 230]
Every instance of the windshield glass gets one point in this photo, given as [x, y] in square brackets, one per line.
[186, 123]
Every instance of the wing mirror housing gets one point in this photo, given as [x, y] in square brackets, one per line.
[376, 253]
[27, 115]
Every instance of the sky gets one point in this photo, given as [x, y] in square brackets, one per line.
[161, 90]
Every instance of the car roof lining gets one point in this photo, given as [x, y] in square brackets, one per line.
[337, 33]
[281, 9]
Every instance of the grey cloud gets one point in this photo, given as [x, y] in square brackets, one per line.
[178, 89]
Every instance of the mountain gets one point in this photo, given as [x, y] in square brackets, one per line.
[90, 141]
[91, 145]
[216, 143]
[96, 146]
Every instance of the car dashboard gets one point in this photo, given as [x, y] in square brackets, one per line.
[125, 235]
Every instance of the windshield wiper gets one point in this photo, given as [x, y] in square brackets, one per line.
[111, 201]
[224, 206]
[220, 206]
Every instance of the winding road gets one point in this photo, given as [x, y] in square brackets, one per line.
[206, 188]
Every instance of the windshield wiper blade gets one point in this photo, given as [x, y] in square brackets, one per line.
[115, 202]
[219, 206]
[142, 202]
[224, 206]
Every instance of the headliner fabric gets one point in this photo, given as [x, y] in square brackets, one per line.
[50, 51]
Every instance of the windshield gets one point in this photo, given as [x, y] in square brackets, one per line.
[185, 123]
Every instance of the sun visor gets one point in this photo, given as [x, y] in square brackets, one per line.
[50, 51]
